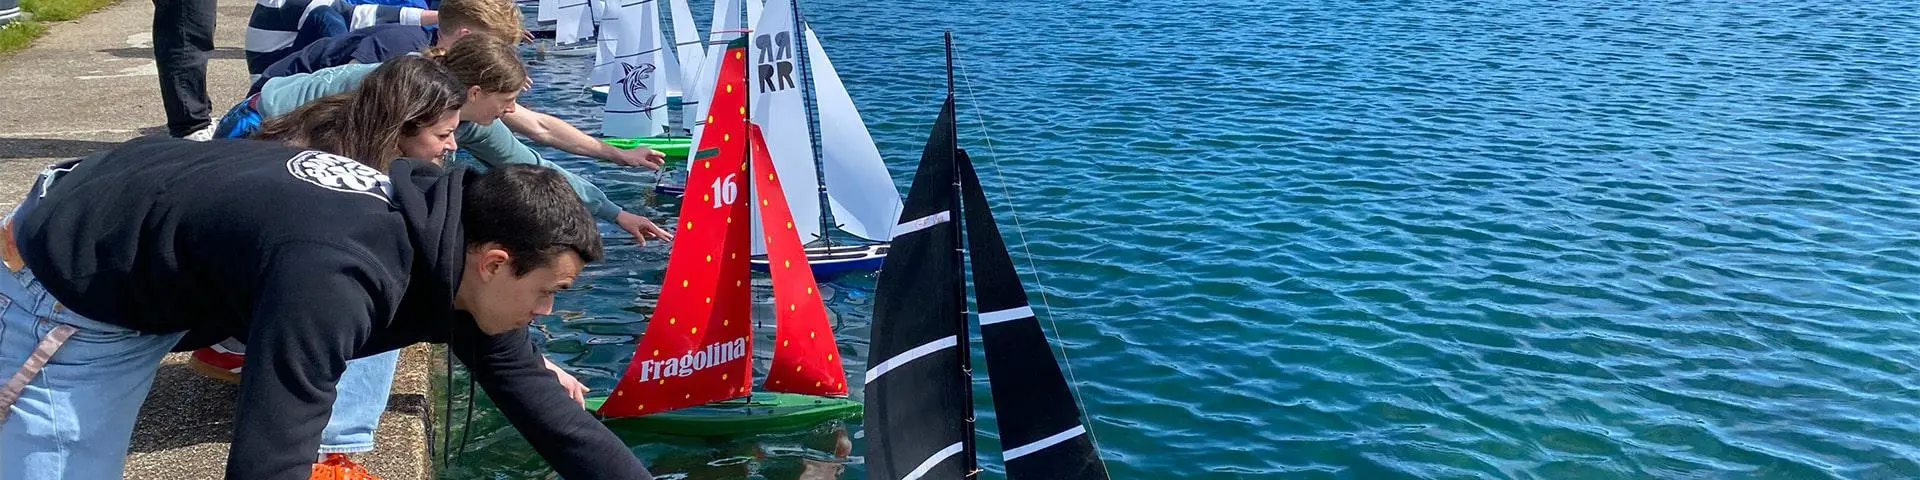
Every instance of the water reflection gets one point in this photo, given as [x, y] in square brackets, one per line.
[818, 454]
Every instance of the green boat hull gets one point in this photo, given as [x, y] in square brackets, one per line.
[760, 412]
[672, 147]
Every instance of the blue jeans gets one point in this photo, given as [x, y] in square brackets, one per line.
[75, 418]
[359, 398]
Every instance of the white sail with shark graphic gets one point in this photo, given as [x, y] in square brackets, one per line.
[636, 99]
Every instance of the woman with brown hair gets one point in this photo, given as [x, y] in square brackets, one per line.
[405, 108]
[493, 76]
[408, 107]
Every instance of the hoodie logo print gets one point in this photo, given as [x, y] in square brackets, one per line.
[340, 174]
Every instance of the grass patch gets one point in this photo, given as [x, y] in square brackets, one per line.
[61, 10]
[22, 31]
[16, 35]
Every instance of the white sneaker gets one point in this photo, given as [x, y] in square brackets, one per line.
[201, 135]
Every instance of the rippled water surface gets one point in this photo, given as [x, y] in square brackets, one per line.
[1498, 239]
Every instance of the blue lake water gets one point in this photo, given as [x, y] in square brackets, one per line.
[1411, 239]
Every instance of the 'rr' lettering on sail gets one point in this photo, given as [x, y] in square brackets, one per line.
[776, 61]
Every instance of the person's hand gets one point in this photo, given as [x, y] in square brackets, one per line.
[639, 157]
[574, 388]
[640, 227]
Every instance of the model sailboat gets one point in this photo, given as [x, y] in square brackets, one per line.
[692, 371]
[726, 28]
[833, 175]
[918, 387]
[633, 59]
[683, 59]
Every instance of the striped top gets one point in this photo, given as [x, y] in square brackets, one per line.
[279, 28]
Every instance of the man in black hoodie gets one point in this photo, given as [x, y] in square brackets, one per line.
[314, 259]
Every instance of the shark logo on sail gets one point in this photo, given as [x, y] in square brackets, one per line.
[693, 362]
[776, 61]
[634, 79]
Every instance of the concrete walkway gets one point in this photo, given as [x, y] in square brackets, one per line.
[91, 83]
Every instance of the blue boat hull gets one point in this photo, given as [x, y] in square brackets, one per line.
[839, 260]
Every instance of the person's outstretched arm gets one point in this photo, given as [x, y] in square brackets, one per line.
[494, 145]
[549, 130]
[515, 376]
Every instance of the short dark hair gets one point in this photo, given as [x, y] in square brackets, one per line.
[531, 212]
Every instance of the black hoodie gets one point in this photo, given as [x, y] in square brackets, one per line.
[313, 259]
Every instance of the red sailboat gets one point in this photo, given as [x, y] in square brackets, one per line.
[692, 371]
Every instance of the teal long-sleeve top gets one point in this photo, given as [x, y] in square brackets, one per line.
[490, 145]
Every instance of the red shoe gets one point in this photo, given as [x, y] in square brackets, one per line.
[218, 363]
[336, 466]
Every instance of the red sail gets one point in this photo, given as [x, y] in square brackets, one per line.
[698, 345]
[805, 358]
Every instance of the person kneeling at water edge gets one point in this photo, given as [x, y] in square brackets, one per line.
[113, 260]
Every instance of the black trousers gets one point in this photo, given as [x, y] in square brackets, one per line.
[182, 40]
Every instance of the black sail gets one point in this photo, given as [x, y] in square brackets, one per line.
[1041, 435]
[918, 397]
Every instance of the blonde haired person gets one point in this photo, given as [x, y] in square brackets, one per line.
[375, 44]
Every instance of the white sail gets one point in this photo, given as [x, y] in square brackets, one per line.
[687, 45]
[589, 26]
[726, 28]
[773, 83]
[548, 11]
[607, 47]
[671, 83]
[859, 189]
[756, 8]
[572, 14]
[636, 103]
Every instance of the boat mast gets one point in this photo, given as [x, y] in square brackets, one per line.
[960, 283]
[805, 59]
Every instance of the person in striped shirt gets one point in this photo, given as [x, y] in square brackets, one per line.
[279, 28]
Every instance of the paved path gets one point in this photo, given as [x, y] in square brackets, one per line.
[90, 83]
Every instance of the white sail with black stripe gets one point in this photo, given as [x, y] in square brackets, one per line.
[689, 50]
[726, 27]
[574, 20]
[606, 48]
[918, 400]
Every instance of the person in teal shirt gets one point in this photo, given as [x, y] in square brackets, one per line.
[486, 139]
